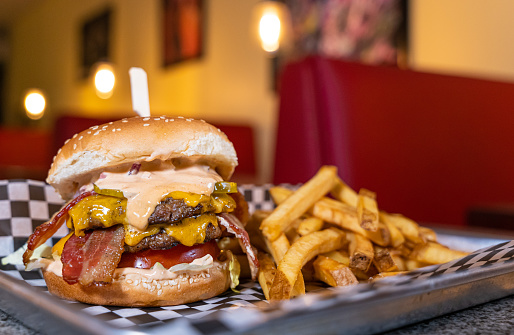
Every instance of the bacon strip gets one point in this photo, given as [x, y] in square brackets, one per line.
[234, 226]
[92, 259]
[48, 229]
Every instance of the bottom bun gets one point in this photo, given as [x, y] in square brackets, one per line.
[145, 291]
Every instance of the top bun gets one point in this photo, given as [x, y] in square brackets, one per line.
[138, 139]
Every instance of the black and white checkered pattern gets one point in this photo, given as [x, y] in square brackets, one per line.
[24, 204]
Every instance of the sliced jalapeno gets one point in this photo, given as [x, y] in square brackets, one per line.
[109, 192]
[225, 187]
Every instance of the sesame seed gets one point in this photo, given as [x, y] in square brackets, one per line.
[81, 137]
[146, 125]
[136, 282]
[66, 142]
[110, 122]
[97, 132]
[74, 146]
[94, 128]
[124, 120]
[157, 118]
[89, 132]
[172, 119]
[159, 286]
[74, 135]
[119, 129]
[159, 292]
[114, 130]
[146, 119]
[129, 281]
[59, 151]
[180, 117]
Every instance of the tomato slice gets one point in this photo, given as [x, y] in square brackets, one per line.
[145, 259]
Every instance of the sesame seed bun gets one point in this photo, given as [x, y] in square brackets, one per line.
[138, 139]
[147, 293]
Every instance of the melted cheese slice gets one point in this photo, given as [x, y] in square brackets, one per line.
[146, 189]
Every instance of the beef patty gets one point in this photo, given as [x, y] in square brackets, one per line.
[161, 240]
[167, 211]
[172, 210]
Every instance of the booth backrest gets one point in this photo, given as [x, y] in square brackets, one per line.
[431, 146]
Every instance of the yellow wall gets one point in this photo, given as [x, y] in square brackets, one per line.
[463, 37]
[230, 84]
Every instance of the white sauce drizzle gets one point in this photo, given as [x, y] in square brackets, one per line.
[146, 189]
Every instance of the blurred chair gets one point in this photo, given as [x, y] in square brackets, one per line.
[25, 153]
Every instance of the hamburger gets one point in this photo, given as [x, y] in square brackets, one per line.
[147, 200]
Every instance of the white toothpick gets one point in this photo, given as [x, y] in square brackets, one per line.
[139, 90]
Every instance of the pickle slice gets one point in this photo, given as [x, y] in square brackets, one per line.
[225, 187]
[109, 192]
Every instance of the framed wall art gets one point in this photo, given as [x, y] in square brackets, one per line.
[96, 41]
[183, 30]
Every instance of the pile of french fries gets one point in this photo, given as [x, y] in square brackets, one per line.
[339, 240]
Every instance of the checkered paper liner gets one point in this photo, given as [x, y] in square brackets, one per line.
[25, 204]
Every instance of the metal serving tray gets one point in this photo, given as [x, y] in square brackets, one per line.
[392, 302]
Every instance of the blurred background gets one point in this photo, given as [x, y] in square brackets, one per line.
[295, 84]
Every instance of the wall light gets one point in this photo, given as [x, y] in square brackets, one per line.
[35, 104]
[104, 81]
[271, 18]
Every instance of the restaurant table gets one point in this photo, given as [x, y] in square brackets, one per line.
[496, 317]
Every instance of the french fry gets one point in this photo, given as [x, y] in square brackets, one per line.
[279, 194]
[386, 274]
[435, 253]
[344, 193]
[278, 249]
[367, 210]
[267, 270]
[361, 252]
[309, 224]
[399, 261]
[366, 276]
[338, 256]
[383, 260]
[345, 217]
[299, 202]
[333, 273]
[397, 238]
[427, 234]
[409, 228]
[300, 252]
[412, 264]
